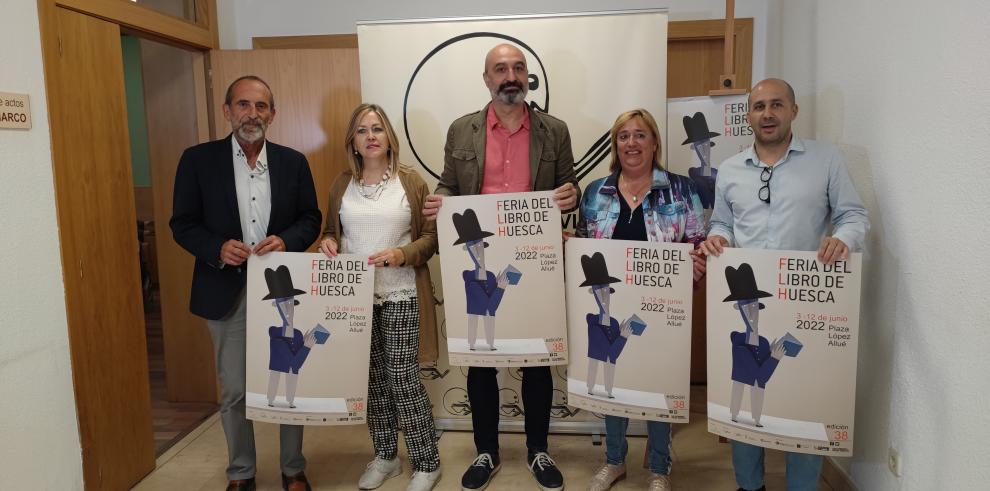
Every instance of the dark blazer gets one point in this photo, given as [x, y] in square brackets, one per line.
[205, 215]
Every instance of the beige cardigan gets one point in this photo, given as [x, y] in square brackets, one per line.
[417, 252]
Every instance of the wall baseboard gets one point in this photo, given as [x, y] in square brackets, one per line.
[836, 477]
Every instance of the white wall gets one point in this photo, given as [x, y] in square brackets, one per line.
[39, 438]
[240, 20]
[902, 87]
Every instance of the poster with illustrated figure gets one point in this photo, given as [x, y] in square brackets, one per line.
[503, 280]
[701, 133]
[308, 338]
[629, 328]
[783, 330]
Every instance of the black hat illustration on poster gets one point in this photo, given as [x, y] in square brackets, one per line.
[595, 270]
[468, 228]
[697, 130]
[742, 284]
[280, 284]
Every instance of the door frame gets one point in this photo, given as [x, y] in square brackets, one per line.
[198, 35]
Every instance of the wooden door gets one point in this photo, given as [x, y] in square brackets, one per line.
[315, 92]
[695, 52]
[175, 102]
[98, 233]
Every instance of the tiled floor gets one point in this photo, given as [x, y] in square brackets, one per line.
[337, 457]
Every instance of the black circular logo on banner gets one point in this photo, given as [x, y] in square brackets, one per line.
[510, 405]
[559, 407]
[455, 401]
[534, 83]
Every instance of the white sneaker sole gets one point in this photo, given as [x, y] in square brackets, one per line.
[396, 472]
[542, 487]
[561, 488]
[433, 485]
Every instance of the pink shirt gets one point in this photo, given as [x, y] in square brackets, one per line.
[506, 157]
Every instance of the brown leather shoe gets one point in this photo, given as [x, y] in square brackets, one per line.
[297, 482]
[241, 485]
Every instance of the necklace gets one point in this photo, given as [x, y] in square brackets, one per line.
[373, 191]
[636, 196]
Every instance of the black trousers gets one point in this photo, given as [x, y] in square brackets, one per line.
[537, 396]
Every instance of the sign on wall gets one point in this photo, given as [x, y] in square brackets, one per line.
[629, 328]
[15, 111]
[308, 338]
[783, 330]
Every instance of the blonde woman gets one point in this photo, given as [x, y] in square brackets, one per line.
[639, 200]
[374, 211]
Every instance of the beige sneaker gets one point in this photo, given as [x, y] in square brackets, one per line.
[423, 481]
[607, 476]
[378, 471]
[660, 482]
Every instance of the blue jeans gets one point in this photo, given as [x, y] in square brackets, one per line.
[803, 469]
[658, 444]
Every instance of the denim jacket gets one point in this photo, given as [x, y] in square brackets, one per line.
[672, 209]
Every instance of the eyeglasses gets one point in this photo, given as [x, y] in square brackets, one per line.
[765, 176]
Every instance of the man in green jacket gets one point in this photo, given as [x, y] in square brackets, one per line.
[508, 147]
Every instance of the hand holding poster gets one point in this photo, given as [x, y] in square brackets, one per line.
[629, 326]
[784, 328]
[308, 338]
[501, 258]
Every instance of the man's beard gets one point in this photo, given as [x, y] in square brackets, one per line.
[782, 135]
[252, 131]
[511, 98]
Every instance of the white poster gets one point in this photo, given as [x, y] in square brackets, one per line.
[629, 327]
[701, 133]
[503, 267]
[308, 338]
[783, 330]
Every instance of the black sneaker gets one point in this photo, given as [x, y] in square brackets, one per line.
[545, 471]
[480, 473]
[762, 488]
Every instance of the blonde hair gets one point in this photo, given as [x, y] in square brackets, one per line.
[354, 159]
[625, 118]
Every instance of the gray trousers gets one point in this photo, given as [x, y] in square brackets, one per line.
[230, 346]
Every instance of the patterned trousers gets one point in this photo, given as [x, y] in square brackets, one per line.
[396, 396]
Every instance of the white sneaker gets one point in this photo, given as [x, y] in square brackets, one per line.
[423, 481]
[378, 471]
[608, 475]
[660, 482]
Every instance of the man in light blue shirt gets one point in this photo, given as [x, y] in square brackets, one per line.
[783, 193]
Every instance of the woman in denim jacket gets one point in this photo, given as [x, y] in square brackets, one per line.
[640, 201]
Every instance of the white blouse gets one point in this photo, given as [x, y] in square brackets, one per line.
[370, 225]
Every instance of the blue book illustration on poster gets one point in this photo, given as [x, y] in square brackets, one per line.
[637, 325]
[321, 333]
[513, 274]
[791, 345]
